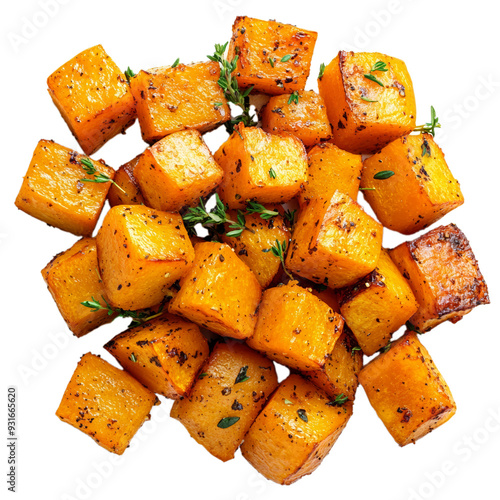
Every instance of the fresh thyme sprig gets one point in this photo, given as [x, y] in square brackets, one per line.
[279, 250]
[294, 97]
[99, 177]
[383, 174]
[256, 208]
[322, 68]
[378, 66]
[129, 74]
[290, 216]
[338, 401]
[176, 63]
[429, 128]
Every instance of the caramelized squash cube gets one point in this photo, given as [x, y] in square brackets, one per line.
[124, 177]
[365, 115]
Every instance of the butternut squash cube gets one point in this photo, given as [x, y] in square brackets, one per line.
[184, 97]
[334, 242]
[93, 97]
[366, 114]
[273, 57]
[378, 305]
[141, 253]
[303, 115]
[324, 293]
[295, 328]
[54, 192]
[226, 398]
[176, 171]
[72, 277]
[331, 169]
[407, 391]
[422, 189]
[219, 293]
[105, 403]
[165, 354]
[260, 167]
[444, 275]
[295, 431]
[124, 177]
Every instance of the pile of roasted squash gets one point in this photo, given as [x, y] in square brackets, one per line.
[292, 269]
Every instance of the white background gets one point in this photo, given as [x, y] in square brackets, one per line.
[451, 50]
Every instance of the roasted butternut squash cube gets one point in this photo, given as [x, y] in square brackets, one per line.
[377, 305]
[330, 170]
[176, 171]
[325, 294]
[226, 398]
[93, 97]
[295, 431]
[421, 190]
[260, 167]
[54, 190]
[128, 192]
[219, 293]
[303, 115]
[334, 242]
[141, 253]
[105, 403]
[274, 58]
[72, 277]
[407, 391]
[252, 247]
[295, 328]
[444, 275]
[186, 96]
[165, 354]
[367, 107]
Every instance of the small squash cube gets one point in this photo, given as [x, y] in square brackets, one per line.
[273, 57]
[226, 398]
[176, 171]
[72, 277]
[124, 177]
[295, 431]
[422, 189]
[260, 167]
[186, 96]
[444, 275]
[377, 305]
[331, 169]
[220, 292]
[53, 190]
[303, 115]
[364, 114]
[165, 354]
[407, 391]
[93, 97]
[105, 403]
[295, 328]
[141, 253]
[334, 242]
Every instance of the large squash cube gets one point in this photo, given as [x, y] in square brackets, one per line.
[93, 97]
[377, 305]
[295, 431]
[303, 115]
[176, 171]
[260, 167]
[407, 391]
[226, 398]
[54, 190]
[105, 403]
[334, 242]
[165, 354]
[128, 192]
[421, 190]
[443, 274]
[366, 114]
[220, 292]
[274, 58]
[186, 96]
[141, 253]
[72, 277]
[295, 328]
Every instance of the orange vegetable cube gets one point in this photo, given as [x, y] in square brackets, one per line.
[124, 177]
[93, 97]
[141, 253]
[54, 192]
[421, 190]
[407, 391]
[444, 275]
[105, 403]
[366, 114]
